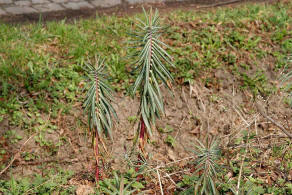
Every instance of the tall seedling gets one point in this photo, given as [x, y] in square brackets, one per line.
[98, 106]
[151, 64]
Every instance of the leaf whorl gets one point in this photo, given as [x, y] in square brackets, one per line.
[98, 99]
[152, 67]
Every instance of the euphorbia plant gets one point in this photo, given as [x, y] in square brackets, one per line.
[98, 106]
[152, 61]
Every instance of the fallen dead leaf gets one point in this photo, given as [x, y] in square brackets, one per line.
[195, 130]
[170, 154]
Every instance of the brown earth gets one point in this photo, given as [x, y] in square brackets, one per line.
[192, 112]
[218, 109]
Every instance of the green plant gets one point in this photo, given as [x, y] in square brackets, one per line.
[258, 83]
[98, 105]
[207, 166]
[117, 186]
[53, 183]
[170, 140]
[151, 64]
[166, 129]
[248, 189]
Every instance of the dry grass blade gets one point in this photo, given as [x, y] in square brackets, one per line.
[159, 180]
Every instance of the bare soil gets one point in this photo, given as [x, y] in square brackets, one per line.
[192, 112]
[219, 109]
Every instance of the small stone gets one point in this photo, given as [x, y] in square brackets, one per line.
[20, 10]
[5, 1]
[40, 1]
[78, 5]
[143, 1]
[108, 3]
[60, 1]
[23, 3]
[48, 7]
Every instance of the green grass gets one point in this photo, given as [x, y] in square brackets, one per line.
[55, 182]
[41, 74]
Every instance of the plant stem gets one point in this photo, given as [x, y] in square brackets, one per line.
[96, 151]
[141, 145]
[96, 133]
[142, 133]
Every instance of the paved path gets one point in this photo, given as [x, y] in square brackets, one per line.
[16, 7]
[12, 9]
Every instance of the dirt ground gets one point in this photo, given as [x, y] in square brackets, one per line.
[192, 111]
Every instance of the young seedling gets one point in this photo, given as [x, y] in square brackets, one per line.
[206, 165]
[118, 186]
[151, 65]
[98, 106]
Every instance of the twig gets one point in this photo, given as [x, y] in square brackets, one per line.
[244, 156]
[261, 111]
[53, 160]
[241, 166]
[161, 190]
[186, 170]
[17, 154]
[185, 99]
[103, 144]
[168, 176]
[263, 146]
[162, 166]
[179, 128]
[240, 115]
[273, 135]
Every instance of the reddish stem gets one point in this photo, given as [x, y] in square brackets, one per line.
[142, 129]
[141, 145]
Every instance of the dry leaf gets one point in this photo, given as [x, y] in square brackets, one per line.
[195, 130]
[170, 154]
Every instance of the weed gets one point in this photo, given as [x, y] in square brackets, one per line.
[207, 155]
[257, 83]
[98, 106]
[204, 178]
[119, 186]
[53, 183]
[170, 141]
[166, 129]
[151, 64]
